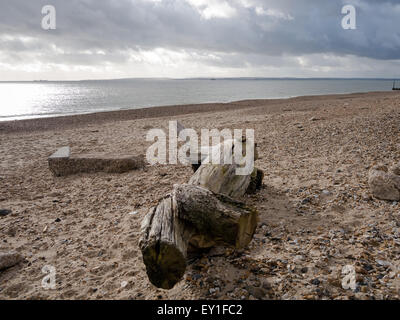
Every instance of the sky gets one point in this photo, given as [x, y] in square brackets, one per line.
[105, 39]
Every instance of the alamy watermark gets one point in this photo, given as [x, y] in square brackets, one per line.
[236, 148]
[349, 21]
[49, 21]
[49, 281]
[349, 279]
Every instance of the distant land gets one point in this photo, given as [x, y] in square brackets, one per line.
[203, 78]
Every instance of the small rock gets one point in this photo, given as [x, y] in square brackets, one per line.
[315, 282]
[364, 289]
[396, 169]
[4, 212]
[383, 263]
[383, 184]
[298, 259]
[326, 192]
[12, 231]
[196, 276]
[213, 290]
[368, 267]
[266, 285]
[9, 259]
[256, 292]
[304, 270]
[58, 220]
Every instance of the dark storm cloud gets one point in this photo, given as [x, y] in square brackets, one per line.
[255, 28]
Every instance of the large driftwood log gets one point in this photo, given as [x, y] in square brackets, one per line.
[164, 244]
[194, 215]
[221, 218]
[200, 214]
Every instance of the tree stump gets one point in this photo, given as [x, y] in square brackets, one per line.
[191, 214]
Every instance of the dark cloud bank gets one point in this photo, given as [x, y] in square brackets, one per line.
[241, 35]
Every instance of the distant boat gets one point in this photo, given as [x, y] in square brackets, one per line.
[394, 86]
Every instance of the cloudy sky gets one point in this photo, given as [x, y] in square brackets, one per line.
[97, 39]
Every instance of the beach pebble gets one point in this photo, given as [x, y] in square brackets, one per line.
[384, 185]
[9, 259]
[4, 212]
[266, 285]
[304, 270]
[298, 259]
[383, 263]
[306, 201]
[396, 169]
[213, 290]
[326, 192]
[256, 292]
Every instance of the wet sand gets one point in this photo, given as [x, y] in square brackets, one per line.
[316, 214]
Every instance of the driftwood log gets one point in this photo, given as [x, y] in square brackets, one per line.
[223, 179]
[194, 215]
[226, 150]
[164, 244]
[199, 214]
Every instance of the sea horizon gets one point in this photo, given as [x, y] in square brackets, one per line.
[44, 98]
[205, 78]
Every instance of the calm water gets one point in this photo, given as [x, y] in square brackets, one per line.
[43, 99]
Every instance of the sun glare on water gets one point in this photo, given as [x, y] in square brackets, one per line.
[25, 99]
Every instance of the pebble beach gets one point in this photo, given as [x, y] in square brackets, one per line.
[316, 211]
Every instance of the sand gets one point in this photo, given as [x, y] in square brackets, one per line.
[316, 213]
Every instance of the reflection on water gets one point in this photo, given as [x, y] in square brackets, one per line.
[41, 99]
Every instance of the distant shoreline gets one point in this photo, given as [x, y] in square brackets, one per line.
[46, 99]
[199, 78]
[79, 120]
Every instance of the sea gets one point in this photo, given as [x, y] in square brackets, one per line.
[26, 100]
